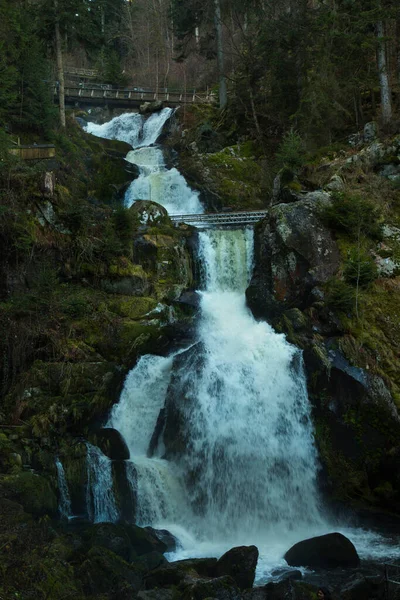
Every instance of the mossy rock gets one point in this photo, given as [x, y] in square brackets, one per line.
[133, 307]
[104, 572]
[32, 491]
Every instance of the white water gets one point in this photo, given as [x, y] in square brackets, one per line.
[156, 182]
[248, 472]
[64, 506]
[100, 501]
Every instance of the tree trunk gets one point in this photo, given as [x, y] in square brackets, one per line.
[386, 93]
[223, 98]
[60, 66]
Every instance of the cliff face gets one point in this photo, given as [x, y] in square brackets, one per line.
[326, 274]
[86, 288]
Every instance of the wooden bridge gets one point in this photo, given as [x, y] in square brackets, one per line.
[227, 219]
[101, 96]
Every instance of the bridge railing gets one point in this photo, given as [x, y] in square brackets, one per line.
[81, 72]
[86, 92]
[225, 219]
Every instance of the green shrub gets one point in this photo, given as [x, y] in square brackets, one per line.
[340, 296]
[291, 151]
[360, 268]
[353, 215]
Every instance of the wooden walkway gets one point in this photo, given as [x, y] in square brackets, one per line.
[97, 96]
[231, 219]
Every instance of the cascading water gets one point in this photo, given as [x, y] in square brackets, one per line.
[156, 182]
[247, 473]
[64, 506]
[220, 435]
[100, 501]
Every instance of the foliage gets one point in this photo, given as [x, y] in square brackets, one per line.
[291, 151]
[360, 269]
[340, 296]
[353, 215]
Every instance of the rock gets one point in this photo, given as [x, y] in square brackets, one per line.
[150, 213]
[291, 590]
[371, 131]
[286, 575]
[113, 537]
[158, 594]
[191, 299]
[149, 107]
[325, 551]
[294, 252]
[202, 566]
[125, 540]
[151, 560]
[220, 588]
[240, 563]
[391, 172]
[360, 587]
[124, 478]
[288, 590]
[111, 443]
[336, 184]
[182, 573]
[144, 541]
[104, 572]
[166, 537]
[34, 492]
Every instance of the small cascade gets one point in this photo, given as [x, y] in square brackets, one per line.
[100, 502]
[155, 182]
[132, 128]
[64, 506]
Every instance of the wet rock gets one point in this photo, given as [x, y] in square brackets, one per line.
[124, 480]
[111, 443]
[286, 575]
[240, 563]
[149, 107]
[166, 537]
[150, 213]
[190, 298]
[183, 573]
[325, 551]
[151, 560]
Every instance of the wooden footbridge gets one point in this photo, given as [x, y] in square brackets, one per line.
[130, 98]
[226, 219]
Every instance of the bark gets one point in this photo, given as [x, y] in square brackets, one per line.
[386, 93]
[60, 66]
[223, 98]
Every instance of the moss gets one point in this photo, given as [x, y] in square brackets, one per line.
[33, 491]
[124, 268]
[132, 308]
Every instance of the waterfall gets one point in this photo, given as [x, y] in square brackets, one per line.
[132, 128]
[100, 501]
[155, 182]
[64, 506]
[246, 472]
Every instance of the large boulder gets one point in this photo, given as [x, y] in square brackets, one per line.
[111, 443]
[150, 213]
[325, 551]
[294, 253]
[104, 572]
[240, 563]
